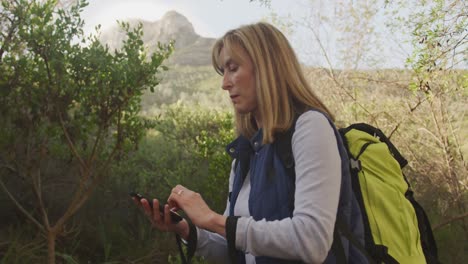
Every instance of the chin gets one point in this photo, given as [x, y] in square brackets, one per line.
[243, 111]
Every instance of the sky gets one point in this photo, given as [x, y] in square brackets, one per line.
[212, 18]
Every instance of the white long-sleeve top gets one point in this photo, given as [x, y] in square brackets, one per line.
[308, 235]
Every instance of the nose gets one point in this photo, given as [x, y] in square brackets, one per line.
[226, 84]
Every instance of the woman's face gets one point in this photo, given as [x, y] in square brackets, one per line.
[239, 79]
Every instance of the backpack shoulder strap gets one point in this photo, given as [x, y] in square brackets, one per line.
[283, 148]
[283, 143]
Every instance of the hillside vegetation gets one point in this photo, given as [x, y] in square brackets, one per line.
[187, 85]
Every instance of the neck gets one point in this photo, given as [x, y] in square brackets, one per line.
[258, 120]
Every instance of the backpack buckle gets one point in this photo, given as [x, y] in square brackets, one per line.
[355, 164]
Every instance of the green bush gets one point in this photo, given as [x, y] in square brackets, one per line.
[186, 146]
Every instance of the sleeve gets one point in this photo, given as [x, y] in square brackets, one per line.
[308, 235]
[210, 245]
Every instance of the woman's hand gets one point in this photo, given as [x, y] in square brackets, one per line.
[197, 210]
[163, 223]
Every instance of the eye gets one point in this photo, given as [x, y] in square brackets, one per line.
[232, 67]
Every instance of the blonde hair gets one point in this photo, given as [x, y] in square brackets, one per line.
[282, 91]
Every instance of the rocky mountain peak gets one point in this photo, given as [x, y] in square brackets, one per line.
[176, 18]
[190, 48]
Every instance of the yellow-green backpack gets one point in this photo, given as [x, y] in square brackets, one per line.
[397, 229]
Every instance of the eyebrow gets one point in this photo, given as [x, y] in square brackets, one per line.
[226, 64]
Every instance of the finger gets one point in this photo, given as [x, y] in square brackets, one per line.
[136, 202]
[173, 200]
[174, 208]
[167, 215]
[179, 189]
[146, 206]
[156, 214]
[178, 192]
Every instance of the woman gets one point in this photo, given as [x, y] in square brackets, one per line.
[270, 217]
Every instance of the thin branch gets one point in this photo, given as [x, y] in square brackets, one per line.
[10, 168]
[95, 145]
[46, 62]
[331, 74]
[70, 143]
[454, 47]
[457, 141]
[398, 83]
[74, 201]
[8, 39]
[325, 54]
[394, 130]
[38, 193]
[21, 208]
[413, 108]
[79, 200]
[436, 139]
[449, 221]
[37, 186]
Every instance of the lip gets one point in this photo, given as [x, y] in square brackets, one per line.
[233, 96]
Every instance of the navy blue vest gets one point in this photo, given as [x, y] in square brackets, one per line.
[272, 191]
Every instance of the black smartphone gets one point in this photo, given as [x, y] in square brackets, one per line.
[175, 217]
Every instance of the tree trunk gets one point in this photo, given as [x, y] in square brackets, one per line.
[51, 236]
